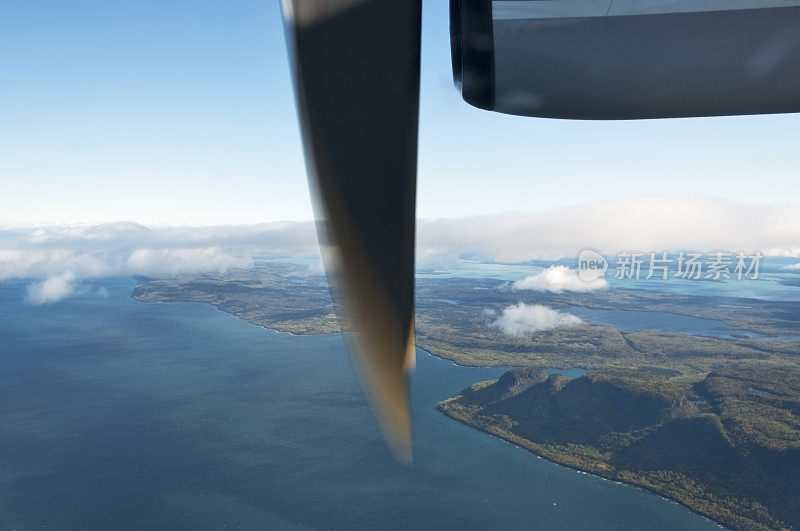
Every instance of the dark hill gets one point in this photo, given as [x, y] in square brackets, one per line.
[726, 446]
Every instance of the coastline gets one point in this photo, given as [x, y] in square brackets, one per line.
[272, 327]
[445, 407]
[695, 499]
[506, 436]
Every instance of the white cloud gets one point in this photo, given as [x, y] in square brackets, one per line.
[172, 261]
[559, 279]
[131, 249]
[522, 319]
[640, 223]
[646, 224]
[57, 258]
[52, 289]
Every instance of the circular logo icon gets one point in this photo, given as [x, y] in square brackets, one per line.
[591, 265]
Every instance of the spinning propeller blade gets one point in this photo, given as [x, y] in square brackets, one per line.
[356, 74]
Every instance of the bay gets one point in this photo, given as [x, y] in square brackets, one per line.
[120, 414]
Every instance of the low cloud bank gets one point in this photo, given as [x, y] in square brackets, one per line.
[523, 319]
[611, 226]
[558, 279]
[57, 258]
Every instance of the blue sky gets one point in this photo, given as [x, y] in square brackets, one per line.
[181, 112]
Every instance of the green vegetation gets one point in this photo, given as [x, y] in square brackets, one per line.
[285, 297]
[279, 296]
[711, 422]
[465, 339]
[720, 445]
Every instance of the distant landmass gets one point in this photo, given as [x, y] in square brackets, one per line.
[712, 422]
[791, 282]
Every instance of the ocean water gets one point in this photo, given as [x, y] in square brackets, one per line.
[120, 414]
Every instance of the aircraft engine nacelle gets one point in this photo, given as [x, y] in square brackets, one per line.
[624, 59]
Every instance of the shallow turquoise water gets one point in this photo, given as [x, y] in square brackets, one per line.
[119, 414]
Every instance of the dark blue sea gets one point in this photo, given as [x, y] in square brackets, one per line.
[120, 414]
